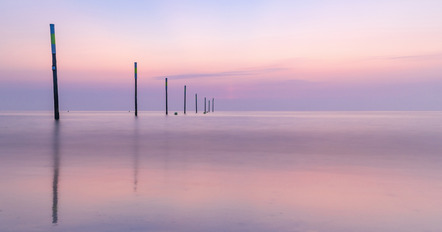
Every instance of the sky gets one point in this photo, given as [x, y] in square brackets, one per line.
[248, 55]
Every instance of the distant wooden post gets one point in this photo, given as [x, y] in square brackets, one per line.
[205, 110]
[167, 109]
[213, 104]
[196, 103]
[185, 95]
[136, 98]
[208, 111]
[54, 72]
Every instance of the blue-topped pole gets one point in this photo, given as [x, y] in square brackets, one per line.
[136, 98]
[54, 73]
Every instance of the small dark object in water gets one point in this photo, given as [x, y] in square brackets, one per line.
[176, 113]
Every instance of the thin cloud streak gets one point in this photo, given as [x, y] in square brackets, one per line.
[434, 56]
[223, 74]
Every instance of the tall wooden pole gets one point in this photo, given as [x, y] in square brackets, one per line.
[167, 109]
[208, 108]
[205, 105]
[185, 100]
[213, 104]
[196, 103]
[136, 98]
[54, 72]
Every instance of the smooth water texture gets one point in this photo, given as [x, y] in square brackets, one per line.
[237, 171]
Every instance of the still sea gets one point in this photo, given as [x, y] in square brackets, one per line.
[222, 171]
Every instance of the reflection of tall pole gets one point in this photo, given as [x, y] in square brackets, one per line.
[56, 157]
[136, 156]
[136, 98]
[54, 72]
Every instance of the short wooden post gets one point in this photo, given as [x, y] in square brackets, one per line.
[185, 100]
[167, 109]
[213, 104]
[136, 98]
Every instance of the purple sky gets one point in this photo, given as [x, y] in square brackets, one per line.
[248, 55]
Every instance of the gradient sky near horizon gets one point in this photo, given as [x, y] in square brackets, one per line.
[249, 55]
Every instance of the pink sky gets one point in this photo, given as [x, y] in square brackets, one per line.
[286, 55]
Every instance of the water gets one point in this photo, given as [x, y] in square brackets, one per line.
[242, 171]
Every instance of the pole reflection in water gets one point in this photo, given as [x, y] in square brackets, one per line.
[136, 155]
[56, 160]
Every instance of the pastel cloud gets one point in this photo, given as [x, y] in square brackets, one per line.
[237, 73]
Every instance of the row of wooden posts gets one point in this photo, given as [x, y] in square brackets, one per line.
[206, 109]
[55, 86]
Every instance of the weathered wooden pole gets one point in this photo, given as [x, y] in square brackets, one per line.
[205, 111]
[167, 109]
[208, 109]
[54, 73]
[136, 98]
[185, 100]
[213, 104]
[196, 103]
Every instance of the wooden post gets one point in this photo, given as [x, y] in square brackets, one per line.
[213, 104]
[196, 103]
[54, 73]
[136, 98]
[167, 109]
[185, 95]
[205, 105]
[208, 108]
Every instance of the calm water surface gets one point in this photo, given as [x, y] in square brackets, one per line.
[245, 171]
